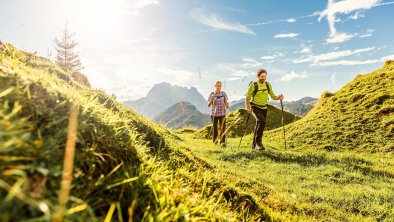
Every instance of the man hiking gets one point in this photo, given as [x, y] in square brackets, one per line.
[256, 102]
[219, 102]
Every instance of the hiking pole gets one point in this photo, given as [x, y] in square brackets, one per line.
[246, 126]
[236, 119]
[221, 133]
[283, 124]
[211, 131]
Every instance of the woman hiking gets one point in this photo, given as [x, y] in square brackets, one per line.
[219, 102]
[256, 102]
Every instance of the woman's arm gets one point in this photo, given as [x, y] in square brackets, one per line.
[210, 100]
[226, 100]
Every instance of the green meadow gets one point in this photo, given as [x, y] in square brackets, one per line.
[338, 164]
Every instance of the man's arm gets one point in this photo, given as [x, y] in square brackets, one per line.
[248, 97]
[272, 94]
[247, 104]
[280, 97]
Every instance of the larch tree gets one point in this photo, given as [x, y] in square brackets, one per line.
[66, 56]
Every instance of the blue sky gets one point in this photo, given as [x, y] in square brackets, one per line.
[126, 46]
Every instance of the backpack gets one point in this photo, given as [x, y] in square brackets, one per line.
[222, 94]
[256, 88]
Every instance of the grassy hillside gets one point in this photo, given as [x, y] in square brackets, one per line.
[359, 116]
[304, 185]
[125, 166]
[236, 122]
[181, 115]
[128, 167]
[339, 164]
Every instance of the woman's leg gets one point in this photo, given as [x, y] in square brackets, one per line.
[215, 128]
[222, 123]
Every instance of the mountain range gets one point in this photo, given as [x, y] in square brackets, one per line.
[164, 95]
[300, 107]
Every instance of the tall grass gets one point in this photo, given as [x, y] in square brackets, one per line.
[125, 167]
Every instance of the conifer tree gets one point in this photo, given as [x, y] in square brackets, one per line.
[66, 56]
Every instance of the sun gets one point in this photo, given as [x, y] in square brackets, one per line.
[100, 17]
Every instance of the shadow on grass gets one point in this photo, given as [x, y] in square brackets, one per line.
[308, 160]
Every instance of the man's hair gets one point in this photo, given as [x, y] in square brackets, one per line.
[260, 71]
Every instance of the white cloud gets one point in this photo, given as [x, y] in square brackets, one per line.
[288, 35]
[305, 50]
[141, 62]
[331, 55]
[291, 20]
[127, 93]
[284, 20]
[272, 57]
[367, 34]
[384, 3]
[111, 44]
[390, 57]
[343, 7]
[216, 22]
[293, 75]
[249, 59]
[356, 16]
[237, 72]
[251, 63]
[267, 57]
[346, 63]
[340, 37]
[136, 5]
[176, 75]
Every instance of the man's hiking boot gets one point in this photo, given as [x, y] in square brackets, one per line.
[223, 145]
[259, 147]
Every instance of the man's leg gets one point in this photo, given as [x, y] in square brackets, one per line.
[260, 115]
[261, 126]
[255, 127]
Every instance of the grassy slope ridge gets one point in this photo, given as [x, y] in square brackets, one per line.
[150, 173]
[358, 116]
[181, 115]
[304, 184]
[121, 158]
[236, 122]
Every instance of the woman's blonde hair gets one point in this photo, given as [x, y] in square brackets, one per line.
[218, 82]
